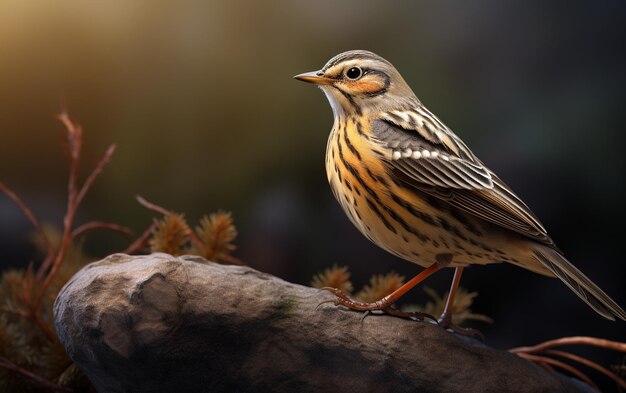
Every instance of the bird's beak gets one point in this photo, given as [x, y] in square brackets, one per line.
[315, 77]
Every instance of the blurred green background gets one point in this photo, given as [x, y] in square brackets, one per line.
[199, 98]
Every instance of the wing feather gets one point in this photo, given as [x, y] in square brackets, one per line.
[453, 173]
[431, 162]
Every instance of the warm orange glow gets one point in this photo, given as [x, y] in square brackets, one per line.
[366, 85]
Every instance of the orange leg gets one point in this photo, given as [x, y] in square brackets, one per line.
[386, 302]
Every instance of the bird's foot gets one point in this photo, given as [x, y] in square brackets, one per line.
[341, 299]
[384, 305]
[445, 321]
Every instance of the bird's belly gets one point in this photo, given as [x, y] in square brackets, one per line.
[405, 222]
[420, 244]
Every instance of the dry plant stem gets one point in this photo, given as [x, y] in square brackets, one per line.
[27, 287]
[159, 209]
[54, 258]
[75, 142]
[546, 366]
[21, 313]
[151, 206]
[576, 340]
[31, 217]
[94, 225]
[32, 377]
[74, 137]
[231, 259]
[141, 242]
[588, 363]
[559, 364]
[50, 335]
[106, 158]
[535, 353]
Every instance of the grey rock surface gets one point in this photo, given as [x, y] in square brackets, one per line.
[159, 323]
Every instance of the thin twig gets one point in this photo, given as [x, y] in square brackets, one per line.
[45, 265]
[64, 118]
[32, 377]
[43, 327]
[557, 363]
[94, 225]
[27, 287]
[33, 311]
[106, 158]
[152, 206]
[576, 340]
[194, 238]
[545, 365]
[21, 313]
[74, 136]
[233, 260]
[141, 242]
[587, 363]
[75, 197]
[159, 209]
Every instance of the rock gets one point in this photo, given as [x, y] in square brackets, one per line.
[159, 323]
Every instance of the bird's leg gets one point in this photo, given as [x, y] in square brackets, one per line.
[445, 320]
[343, 300]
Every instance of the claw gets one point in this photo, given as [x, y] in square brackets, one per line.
[324, 302]
[365, 314]
[341, 299]
[445, 321]
[337, 292]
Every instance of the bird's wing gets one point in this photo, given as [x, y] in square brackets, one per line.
[451, 172]
[430, 158]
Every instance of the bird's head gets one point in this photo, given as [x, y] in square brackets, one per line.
[359, 82]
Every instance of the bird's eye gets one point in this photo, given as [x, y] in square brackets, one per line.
[354, 73]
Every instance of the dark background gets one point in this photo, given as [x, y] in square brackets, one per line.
[199, 98]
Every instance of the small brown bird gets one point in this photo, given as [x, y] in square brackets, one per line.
[412, 187]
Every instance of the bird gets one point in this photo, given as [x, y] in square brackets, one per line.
[414, 188]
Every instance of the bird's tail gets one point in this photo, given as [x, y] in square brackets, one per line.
[589, 292]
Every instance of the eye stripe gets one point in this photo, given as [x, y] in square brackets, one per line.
[384, 88]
